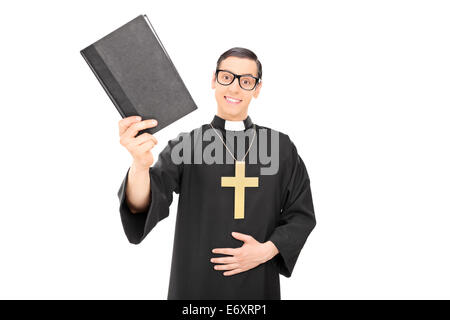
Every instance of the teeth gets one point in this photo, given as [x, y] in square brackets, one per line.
[232, 100]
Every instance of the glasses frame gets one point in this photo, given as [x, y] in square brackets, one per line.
[238, 76]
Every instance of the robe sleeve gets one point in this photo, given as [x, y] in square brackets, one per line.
[165, 178]
[297, 218]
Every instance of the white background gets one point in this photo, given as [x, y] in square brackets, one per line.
[361, 87]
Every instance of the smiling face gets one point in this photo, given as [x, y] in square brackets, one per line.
[229, 110]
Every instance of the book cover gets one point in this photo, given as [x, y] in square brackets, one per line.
[138, 75]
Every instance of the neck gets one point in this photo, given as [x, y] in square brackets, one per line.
[228, 117]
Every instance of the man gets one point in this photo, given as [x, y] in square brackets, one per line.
[238, 227]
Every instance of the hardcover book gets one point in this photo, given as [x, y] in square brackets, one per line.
[138, 75]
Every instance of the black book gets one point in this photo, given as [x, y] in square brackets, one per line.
[138, 75]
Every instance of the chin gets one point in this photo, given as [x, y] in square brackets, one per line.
[232, 111]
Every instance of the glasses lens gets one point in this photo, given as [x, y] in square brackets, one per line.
[224, 77]
[248, 82]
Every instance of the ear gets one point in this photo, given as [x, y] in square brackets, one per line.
[213, 81]
[257, 90]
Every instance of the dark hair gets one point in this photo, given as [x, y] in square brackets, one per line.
[241, 53]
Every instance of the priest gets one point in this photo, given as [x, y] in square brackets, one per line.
[238, 226]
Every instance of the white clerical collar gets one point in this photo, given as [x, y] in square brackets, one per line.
[232, 125]
[239, 125]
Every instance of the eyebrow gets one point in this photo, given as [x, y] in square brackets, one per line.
[245, 74]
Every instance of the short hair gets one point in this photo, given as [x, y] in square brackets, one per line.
[241, 53]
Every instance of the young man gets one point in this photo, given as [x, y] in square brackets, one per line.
[239, 223]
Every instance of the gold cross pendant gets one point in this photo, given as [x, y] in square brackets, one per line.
[239, 182]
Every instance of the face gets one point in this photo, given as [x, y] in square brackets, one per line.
[228, 110]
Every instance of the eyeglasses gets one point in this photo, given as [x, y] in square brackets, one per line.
[246, 81]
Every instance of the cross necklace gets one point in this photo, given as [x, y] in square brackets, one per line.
[239, 181]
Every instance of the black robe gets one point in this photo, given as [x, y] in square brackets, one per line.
[280, 209]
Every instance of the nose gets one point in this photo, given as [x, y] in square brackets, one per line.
[234, 86]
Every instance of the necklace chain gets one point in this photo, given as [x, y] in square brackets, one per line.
[254, 127]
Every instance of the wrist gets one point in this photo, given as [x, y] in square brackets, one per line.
[138, 168]
[271, 250]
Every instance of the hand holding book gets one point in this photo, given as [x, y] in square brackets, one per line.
[139, 147]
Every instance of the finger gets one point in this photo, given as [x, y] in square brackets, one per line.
[146, 146]
[224, 260]
[132, 131]
[241, 236]
[230, 266]
[144, 138]
[139, 140]
[235, 271]
[136, 127]
[229, 251]
[126, 122]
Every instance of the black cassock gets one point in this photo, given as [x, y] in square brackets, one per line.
[280, 209]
